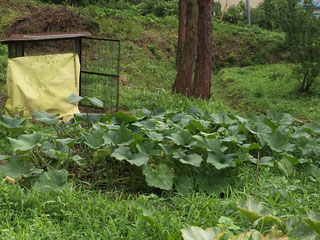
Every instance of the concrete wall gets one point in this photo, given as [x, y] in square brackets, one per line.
[253, 3]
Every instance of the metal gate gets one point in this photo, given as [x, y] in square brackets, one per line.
[100, 66]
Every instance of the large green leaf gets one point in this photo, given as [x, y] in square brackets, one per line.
[94, 139]
[72, 99]
[159, 177]
[192, 159]
[147, 124]
[11, 122]
[26, 142]
[197, 233]
[182, 138]
[280, 118]
[139, 159]
[52, 180]
[124, 153]
[313, 221]
[211, 144]
[155, 136]
[89, 118]
[198, 125]
[121, 117]
[262, 131]
[122, 137]
[47, 118]
[256, 212]
[149, 148]
[17, 167]
[55, 150]
[168, 148]
[222, 119]
[95, 101]
[184, 184]
[279, 142]
[219, 160]
[286, 166]
[314, 127]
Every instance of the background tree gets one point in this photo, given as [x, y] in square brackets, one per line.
[302, 30]
[197, 43]
[202, 79]
[183, 81]
[182, 29]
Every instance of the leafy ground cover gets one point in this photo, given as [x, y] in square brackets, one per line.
[173, 151]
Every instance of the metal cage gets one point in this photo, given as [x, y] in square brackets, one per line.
[99, 60]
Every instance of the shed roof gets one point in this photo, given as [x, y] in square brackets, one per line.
[44, 36]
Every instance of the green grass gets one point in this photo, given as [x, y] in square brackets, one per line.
[266, 87]
[81, 214]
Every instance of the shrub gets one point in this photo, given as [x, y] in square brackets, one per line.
[236, 13]
[302, 30]
[160, 8]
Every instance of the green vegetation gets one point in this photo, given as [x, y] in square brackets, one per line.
[147, 174]
[302, 30]
[187, 152]
[266, 87]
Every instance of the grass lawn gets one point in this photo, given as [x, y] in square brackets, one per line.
[81, 214]
[266, 87]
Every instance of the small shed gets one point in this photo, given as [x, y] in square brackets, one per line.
[99, 59]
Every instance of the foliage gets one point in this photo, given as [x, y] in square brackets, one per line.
[159, 8]
[265, 87]
[177, 150]
[236, 14]
[247, 45]
[3, 62]
[302, 30]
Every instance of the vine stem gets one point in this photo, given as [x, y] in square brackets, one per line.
[257, 174]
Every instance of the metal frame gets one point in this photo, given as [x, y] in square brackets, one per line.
[105, 74]
[16, 48]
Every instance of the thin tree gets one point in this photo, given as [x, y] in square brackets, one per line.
[197, 42]
[183, 81]
[202, 78]
[182, 29]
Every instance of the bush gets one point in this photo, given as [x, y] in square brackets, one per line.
[160, 8]
[217, 10]
[302, 30]
[236, 14]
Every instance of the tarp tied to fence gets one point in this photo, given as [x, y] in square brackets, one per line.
[42, 83]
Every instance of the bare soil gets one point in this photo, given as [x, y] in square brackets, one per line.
[3, 99]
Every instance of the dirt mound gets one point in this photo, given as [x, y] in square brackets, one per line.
[51, 19]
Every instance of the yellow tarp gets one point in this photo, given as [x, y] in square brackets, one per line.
[42, 83]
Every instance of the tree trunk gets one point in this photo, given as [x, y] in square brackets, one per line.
[182, 29]
[202, 79]
[183, 81]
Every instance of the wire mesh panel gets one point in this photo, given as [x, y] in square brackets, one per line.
[100, 61]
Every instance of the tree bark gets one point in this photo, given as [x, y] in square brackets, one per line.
[202, 79]
[182, 29]
[183, 81]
